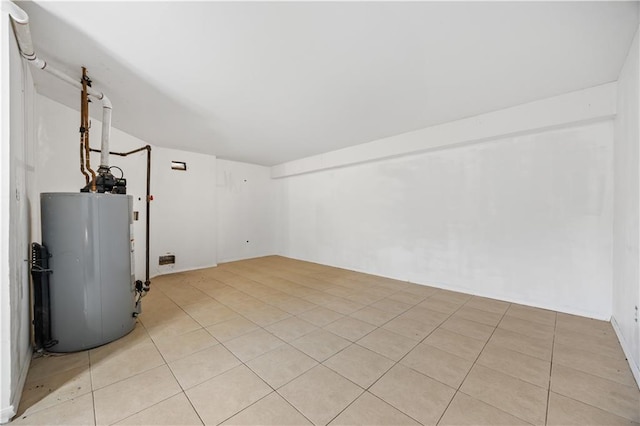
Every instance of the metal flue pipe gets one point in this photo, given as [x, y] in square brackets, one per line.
[20, 23]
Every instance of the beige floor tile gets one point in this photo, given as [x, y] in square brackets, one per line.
[539, 348]
[338, 290]
[390, 305]
[468, 328]
[409, 327]
[45, 392]
[516, 397]
[122, 399]
[488, 305]
[271, 410]
[584, 325]
[281, 365]
[516, 364]
[224, 396]
[46, 365]
[421, 290]
[468, 411]
[387, 343]
[565, 411]
[252, 345]
[176, 410]
[320, 344]
[371, 410]
[601, 345]
[137, 336]
[344, 306]
[123, 364]
[360, 365]
[320, 394]
[185, 294]
[248, 305]
[373, 316]
[414, 394]
[478, 315]
[77, 411]
[526, 327]
[294, 305]
[364, 297]
[602, 366]
[203, 365]
[350, 328]
[452, 296]
[529, 313]
[621, 400]
[320, 316]
[590, 369]
[457, 344]
[152, 316]
[202, 304]
[173, 327]
[443, 306]
[406, 297]
[266, 315]
[208, 286]
[228, 330]
[291, 328]
[173, 348]
[207, 316]
[437, 364]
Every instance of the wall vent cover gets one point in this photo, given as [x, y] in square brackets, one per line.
[167, 259]
[179, 165]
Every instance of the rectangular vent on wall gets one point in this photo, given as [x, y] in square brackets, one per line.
[167, 259]
[179, 165]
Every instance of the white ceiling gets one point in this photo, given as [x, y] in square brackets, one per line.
[270, 82]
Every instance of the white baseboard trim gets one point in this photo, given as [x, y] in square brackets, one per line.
[7, 413]
[635, 369]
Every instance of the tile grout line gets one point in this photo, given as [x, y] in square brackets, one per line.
[474, 363]
[553, 344]
[182, 390]
[93, 396]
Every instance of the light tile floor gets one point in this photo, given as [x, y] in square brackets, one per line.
[284, 342]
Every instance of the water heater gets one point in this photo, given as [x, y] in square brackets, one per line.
[91, 284]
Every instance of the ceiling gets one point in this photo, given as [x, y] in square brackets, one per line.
[269, 82]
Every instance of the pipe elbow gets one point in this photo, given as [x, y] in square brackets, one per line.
[106, 102]
[18, 15]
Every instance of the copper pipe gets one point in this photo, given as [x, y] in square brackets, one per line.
[86, 175]
[85, 126]
[82, 130]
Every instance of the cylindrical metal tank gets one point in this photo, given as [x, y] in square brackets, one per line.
[92, 287]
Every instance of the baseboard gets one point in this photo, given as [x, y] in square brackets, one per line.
[7, 413]
[175, 271]
[635, 369]
[253, 256]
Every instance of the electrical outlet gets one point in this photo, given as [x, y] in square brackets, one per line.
[636, 313]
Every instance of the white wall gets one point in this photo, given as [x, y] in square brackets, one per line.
[16, 189]
[183, 216]
[246, 211]
[626, 232]
[525, 218]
